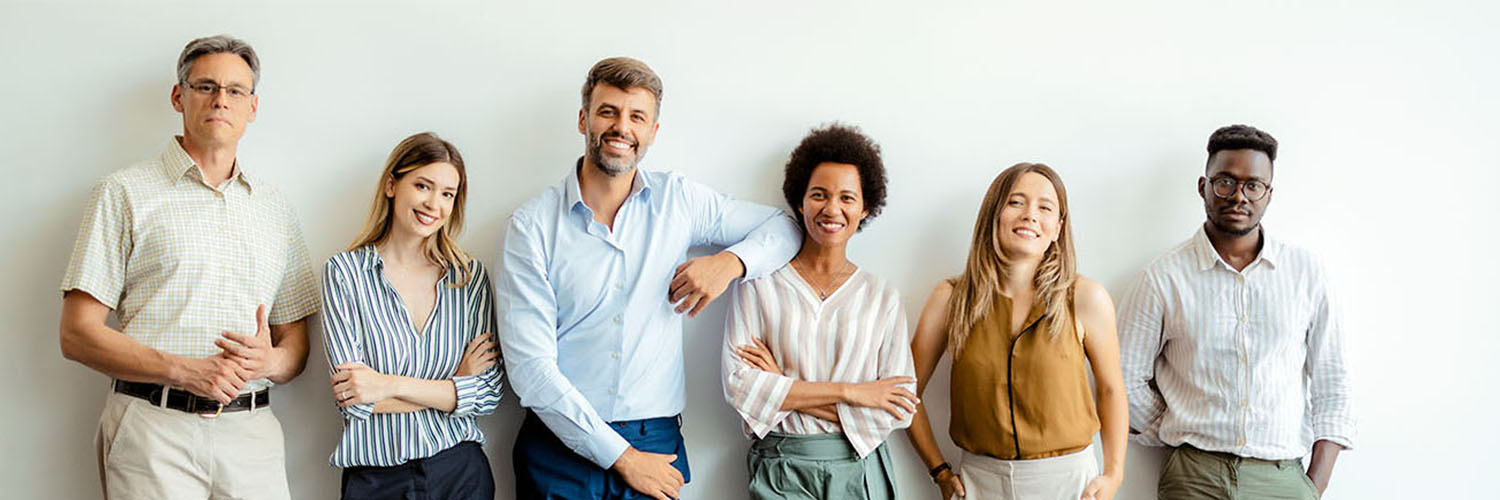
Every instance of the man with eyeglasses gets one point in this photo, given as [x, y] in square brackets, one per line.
[205, 268]
[1231, 346]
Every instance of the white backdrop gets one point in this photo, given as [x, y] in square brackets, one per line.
[1385, 111]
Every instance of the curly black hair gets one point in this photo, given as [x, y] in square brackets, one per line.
[1241, 137]
[836, 143]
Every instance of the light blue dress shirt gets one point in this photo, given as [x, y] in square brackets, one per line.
[587, 332]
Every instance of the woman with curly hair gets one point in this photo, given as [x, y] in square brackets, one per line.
[816, 357]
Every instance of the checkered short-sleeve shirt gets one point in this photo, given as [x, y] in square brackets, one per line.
[180, 261]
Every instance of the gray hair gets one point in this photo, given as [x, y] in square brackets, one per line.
[622, 73]
[218, 44]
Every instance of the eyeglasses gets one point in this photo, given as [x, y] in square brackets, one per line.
[210, 88]
[1225, 187]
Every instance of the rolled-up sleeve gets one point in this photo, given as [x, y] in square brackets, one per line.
[764, 238]
[480, 394]
[1140, 326]
[756, 395]
[528, 338]
[1331, 417]
[343, 339]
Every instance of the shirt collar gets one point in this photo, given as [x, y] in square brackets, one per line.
[369, 259]
[177, 164]
[640, 185]
[1270, 250]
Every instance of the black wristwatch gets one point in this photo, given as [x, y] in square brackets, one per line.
[939, 470]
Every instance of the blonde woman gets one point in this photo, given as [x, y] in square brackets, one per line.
[1023, 329]
[407, 322]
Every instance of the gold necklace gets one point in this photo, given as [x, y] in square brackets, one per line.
[822, 292]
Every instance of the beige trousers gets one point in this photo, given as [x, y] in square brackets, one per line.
[149, 452]
[1056, 478]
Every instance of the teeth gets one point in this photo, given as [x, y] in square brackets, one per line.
[425, 219]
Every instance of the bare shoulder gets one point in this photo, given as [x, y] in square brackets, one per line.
[1090, 297]
[941, 292]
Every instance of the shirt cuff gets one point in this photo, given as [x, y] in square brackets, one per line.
[1338, 433]
[467, 389]
[604, 447]
[361, 411]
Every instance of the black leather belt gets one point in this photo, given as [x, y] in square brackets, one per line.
[182, 400]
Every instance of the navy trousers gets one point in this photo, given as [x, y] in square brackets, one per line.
[458, 473]
[547, 469]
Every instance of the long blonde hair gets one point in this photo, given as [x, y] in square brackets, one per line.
[441, 248]
[974, 291]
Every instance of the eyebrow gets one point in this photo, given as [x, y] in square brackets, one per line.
[1227, 175]
[216, 82]
[435, 183]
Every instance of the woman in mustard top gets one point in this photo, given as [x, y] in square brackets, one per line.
[1023, 329]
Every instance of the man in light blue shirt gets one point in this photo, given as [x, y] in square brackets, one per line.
[593, 284]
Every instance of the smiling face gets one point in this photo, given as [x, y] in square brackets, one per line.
[422, 199]
[833, 204]
[618, 126]
[218, 118]
[1235, 214]
[1031, 219]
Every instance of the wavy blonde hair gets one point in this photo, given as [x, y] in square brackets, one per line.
[441, 248]
[974, 291]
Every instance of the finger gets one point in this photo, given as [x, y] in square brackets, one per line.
[905, 405]
[761, 344]
[262, 320]
[900, 380]
[703, 301]
[341, 376]
[232, 347]
[344, 386]
[960, 486]
[658, 495]
[891, 409]
[245, 340]
[352, 365]
[690, 302]
[907, 394]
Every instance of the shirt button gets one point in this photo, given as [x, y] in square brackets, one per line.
[1245, 402]
[613, 391]
[619, 286]
[1242, 318]
[1241, 276]
[615, 355]
[1241, 442]
[617, 319]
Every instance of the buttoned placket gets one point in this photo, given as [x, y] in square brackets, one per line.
[1242, 329]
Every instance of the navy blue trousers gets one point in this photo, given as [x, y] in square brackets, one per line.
[547, 469]
[458, 473]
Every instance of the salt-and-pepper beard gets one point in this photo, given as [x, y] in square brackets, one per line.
[595, 149]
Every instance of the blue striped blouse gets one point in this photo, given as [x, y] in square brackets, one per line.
[364, 320]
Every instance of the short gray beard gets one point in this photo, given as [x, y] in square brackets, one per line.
[595, 149]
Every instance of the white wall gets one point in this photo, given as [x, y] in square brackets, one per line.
[1386, 113]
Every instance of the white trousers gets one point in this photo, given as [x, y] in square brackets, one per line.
[150, 452]
[1056, 478]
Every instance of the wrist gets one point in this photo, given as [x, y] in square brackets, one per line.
[177, 372]
[733, 262]
[938, 471]
[624, 461]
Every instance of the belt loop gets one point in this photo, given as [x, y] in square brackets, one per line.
[165, 389]
[252, 401]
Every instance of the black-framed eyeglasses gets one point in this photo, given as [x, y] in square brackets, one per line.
[210, 88]
[1224, 187]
